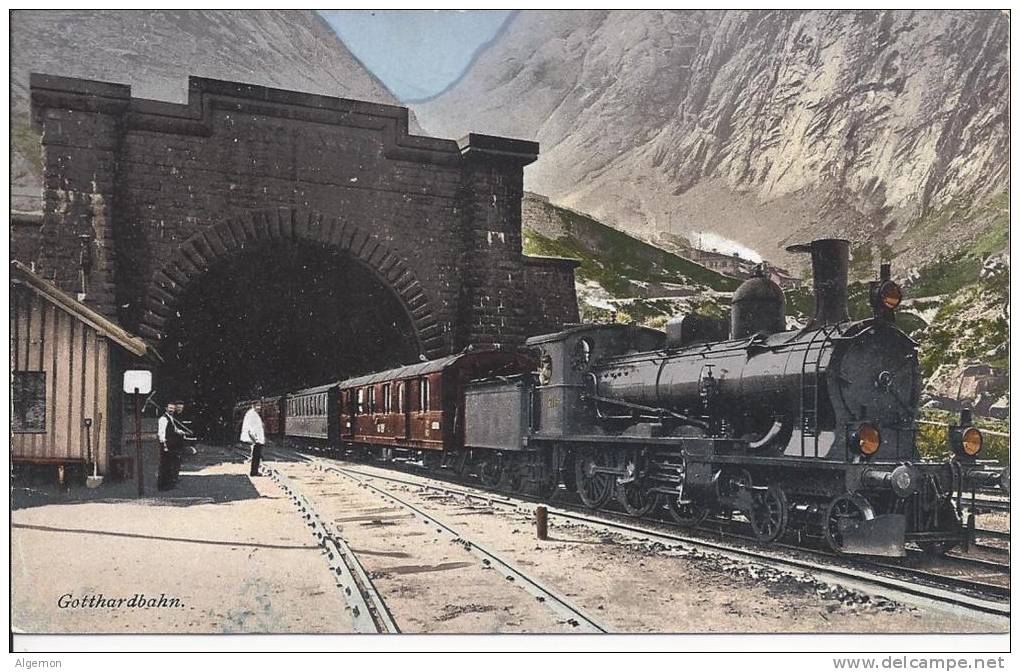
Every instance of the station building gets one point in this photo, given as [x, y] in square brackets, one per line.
[67, 363]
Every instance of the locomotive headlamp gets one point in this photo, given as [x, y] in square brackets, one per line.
[971, 441]
[890, 295]
[886, 295]
[866, 439]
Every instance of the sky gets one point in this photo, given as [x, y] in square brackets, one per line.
[416, 53]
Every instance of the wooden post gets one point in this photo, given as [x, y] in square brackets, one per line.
[139, 469]
[542, 522]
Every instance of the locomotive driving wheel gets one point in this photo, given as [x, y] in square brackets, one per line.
[684, 511]
[770, 514]
[633, 495]
[594, 487]
[842, 511]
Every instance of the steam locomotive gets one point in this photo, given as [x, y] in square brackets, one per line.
[810, 430]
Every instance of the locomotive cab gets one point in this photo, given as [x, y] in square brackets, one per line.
[566, 361]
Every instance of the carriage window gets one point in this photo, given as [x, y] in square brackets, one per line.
[387, 400]
[423, 395]
[371, 400]
[360, 409]
[400, 397]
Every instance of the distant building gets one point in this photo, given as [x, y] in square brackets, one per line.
[782, 277]
[735, 266]
[732, 265]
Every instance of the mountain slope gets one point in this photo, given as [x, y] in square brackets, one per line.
[619, 273]
[156, 51]
[767, 127]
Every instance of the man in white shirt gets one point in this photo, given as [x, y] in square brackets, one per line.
[254, 433]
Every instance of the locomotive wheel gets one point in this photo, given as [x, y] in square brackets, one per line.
[937, 548]
[459, 462]
[633, 496]
[490, 470]
[850, 508]
[547, 487]
[513, 476]
[432, 460]
[686, 514]
[770, 514]
[594, 488]
[636, 500]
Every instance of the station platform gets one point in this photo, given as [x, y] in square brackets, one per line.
[220, 553]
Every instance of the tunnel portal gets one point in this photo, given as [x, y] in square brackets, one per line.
[277, 317]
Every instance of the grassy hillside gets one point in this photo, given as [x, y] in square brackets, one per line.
[611, 257]
[617, 268]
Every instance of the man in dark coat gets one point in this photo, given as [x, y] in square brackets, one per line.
[171, 447]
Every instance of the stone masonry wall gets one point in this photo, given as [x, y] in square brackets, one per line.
[157, 192]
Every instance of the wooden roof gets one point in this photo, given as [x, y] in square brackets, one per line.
[23, 275]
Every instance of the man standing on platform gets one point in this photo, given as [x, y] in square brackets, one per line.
[171, 444]
[254, 433]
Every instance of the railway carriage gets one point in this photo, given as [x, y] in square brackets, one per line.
[310, 413]
[419, 408]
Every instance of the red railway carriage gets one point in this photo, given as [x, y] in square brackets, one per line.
[418, 407]
[273, 414]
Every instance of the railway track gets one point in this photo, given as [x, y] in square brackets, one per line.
[893, 581]
[358, 589]
[986, 505]
[564, 609]
[368, 610]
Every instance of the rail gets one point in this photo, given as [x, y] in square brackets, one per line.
[368, 610]
[571, 614]
[853, 576]
[948, 593]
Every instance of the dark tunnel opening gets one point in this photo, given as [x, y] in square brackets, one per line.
[276, 318]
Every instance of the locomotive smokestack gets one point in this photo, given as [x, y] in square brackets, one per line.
[830, 261]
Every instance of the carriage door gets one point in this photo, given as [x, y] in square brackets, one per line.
[403, 399]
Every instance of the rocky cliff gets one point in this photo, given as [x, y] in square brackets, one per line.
[767, 127]
[156, 51]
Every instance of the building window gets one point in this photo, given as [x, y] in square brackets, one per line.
[423, 395]
[387, 400]
[29, 396]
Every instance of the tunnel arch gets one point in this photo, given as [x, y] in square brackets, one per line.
[202, 251]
